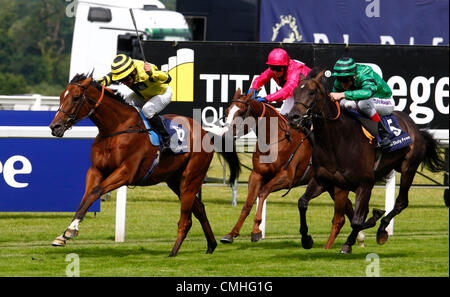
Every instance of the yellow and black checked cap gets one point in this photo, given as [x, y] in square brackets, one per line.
[121, 67]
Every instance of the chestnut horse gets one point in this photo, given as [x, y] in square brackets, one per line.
[280, 161]
[343, 157]
[122, 154]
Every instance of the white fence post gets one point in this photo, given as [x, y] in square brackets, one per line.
[390, 199]
[121, 205]
[234, 189]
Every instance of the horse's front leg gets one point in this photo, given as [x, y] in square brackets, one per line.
[95, 188]
[359, 222]
[340, 204]
[93, 179]
[254, 185]
[313, 190]
[280, 181]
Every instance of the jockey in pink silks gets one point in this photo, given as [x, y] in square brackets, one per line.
[286, 73]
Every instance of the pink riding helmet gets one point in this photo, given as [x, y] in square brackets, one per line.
[278, 57]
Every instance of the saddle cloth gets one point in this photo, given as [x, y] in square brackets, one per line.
[398, 137]
[178, 134]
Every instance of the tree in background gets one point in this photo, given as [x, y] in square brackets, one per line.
[170, 4]
[35, 45]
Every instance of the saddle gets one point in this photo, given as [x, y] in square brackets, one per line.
[180, 147]
[177, 147]
[398, 137]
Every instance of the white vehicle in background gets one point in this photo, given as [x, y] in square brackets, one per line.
[104, 28]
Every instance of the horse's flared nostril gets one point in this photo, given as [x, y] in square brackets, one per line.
[294, 118]
[57, 130]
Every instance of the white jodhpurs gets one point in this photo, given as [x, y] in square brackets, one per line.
[154, 105]
[370, 106]
[287, 105]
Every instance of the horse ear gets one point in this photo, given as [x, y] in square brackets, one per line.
[319, 75]
[324, 78]
[237, 93]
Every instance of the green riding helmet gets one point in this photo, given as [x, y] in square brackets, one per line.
[344, 67]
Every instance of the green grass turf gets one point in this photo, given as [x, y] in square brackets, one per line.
[418, 248]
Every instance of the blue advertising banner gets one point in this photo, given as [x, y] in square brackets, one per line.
[423, 22]
[42, 174]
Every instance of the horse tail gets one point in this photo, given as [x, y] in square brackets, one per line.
[227, 149]
[433, 160]
[235, 165]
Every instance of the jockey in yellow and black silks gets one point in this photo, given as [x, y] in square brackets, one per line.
[152, 92]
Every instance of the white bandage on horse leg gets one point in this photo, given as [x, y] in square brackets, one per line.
[74, 225]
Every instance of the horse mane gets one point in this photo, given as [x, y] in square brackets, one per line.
[313, 72]
[113, 94]
[327, 82]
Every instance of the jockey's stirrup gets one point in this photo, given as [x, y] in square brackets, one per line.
[385, 142]
[158, 125]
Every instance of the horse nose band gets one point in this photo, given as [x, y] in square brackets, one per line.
[73, 118]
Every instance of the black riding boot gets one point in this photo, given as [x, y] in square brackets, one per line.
[385, 142]
[158, 125]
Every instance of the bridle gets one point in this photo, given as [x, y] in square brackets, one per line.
[310, 114]
[265, 106]
[73, 118]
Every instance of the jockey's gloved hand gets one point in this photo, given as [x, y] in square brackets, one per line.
[255, 93]
[261, 99]
[104, 80]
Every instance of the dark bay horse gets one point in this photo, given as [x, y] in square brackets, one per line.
[343, 157]
[270, 158]
[122, 154]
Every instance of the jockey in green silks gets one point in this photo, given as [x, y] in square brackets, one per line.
[360, 88]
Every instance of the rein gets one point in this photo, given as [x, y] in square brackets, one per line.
[92, 102]
[338, 111]
[293, 153]
[73, 117]
[265, 105]
[317, 115]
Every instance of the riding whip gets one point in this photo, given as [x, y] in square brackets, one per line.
[137, 34]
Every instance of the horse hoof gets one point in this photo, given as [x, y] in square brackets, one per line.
[346, 249]
[307, 242]
[227, 239]
[382, 237]
[256, 236]
[59, 241]
[211, 247]
[210, 250]
[70, 233]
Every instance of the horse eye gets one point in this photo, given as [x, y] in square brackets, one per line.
[75, 99]
[312, 92]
